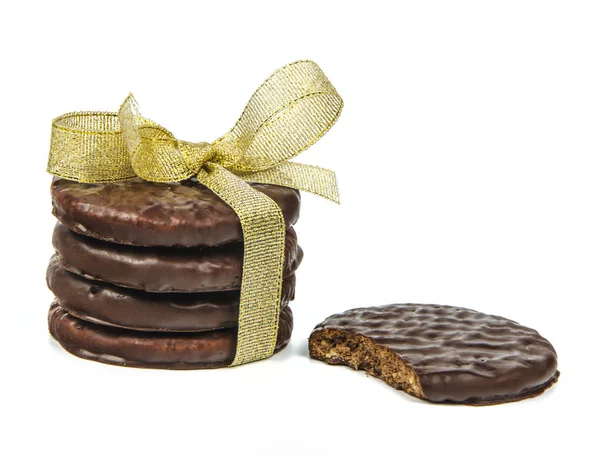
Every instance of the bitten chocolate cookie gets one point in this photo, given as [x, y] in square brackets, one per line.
[107, 304]
[439, 353]
[137, 212]
[180, 351]
[159, 269]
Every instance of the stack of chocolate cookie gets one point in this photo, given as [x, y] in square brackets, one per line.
[149, 274]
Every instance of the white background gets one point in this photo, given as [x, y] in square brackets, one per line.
[468, 160]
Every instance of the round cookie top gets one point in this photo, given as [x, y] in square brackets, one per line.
[137, 212]
[459, 355]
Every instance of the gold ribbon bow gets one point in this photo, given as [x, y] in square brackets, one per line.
[288, 113]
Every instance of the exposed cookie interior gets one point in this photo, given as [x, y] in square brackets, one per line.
[337, 347]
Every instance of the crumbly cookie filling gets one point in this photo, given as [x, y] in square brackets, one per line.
[361, 353]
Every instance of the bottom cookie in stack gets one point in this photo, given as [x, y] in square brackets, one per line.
[117, 346]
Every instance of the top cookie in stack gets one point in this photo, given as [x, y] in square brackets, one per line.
[148, 274]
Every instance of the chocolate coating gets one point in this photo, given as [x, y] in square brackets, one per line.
[459, 355]
[160, 269]
[137, 212]
[181, 351]
[107, 304]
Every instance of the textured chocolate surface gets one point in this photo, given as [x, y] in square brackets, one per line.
[179, 351]
[137, 212]
[107, 304]
[160, 269]
[459, 355]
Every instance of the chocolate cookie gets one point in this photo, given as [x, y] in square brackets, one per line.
[137, 212]
[107, 304]
[440, 353]
[160, 269]
[180, 351]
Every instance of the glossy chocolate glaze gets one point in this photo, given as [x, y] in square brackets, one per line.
[459, 355]
[107, 304]
[160, 269]
[137, 212]
[181, 351]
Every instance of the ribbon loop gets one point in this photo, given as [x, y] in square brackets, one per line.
[288, 113]
[75, 145]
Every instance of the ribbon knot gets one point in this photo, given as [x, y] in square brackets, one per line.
[288, 113]
[197, 154]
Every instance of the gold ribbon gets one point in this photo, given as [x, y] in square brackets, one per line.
[288, 113]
